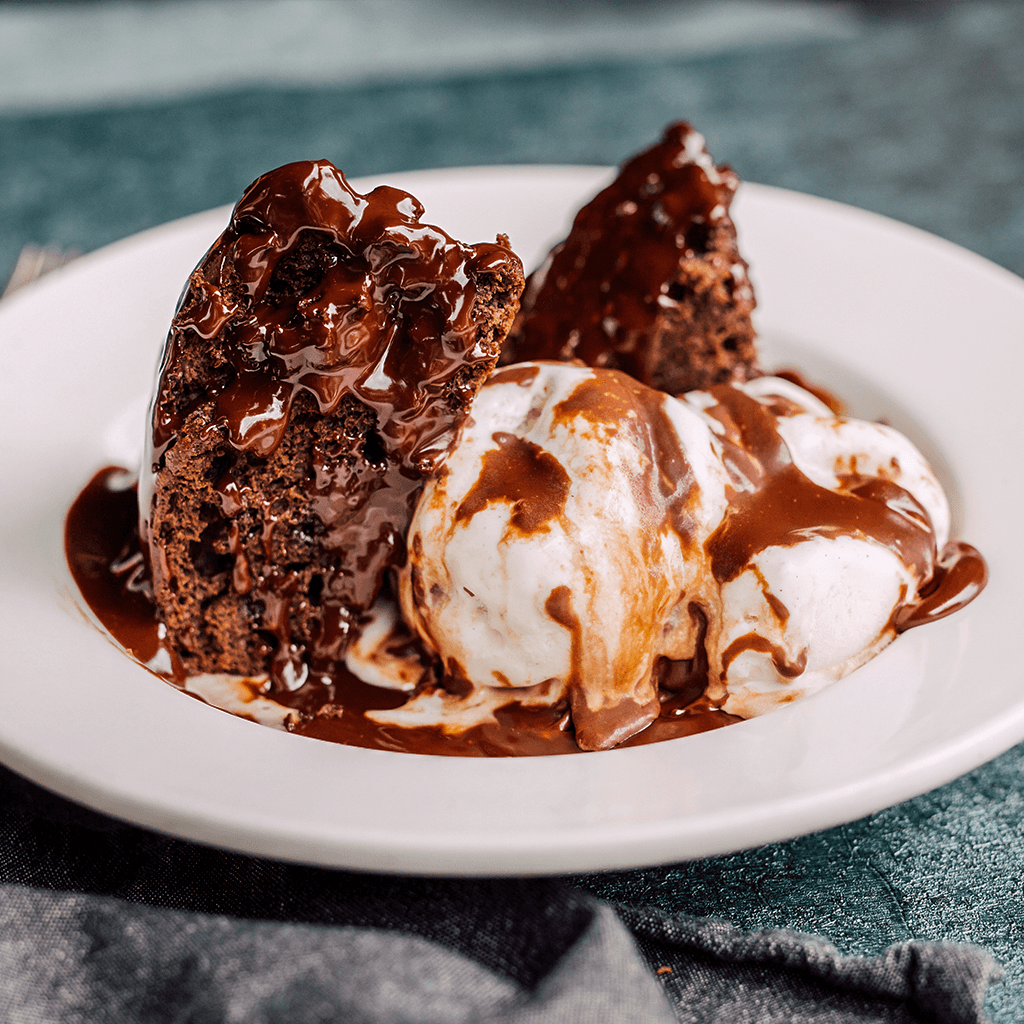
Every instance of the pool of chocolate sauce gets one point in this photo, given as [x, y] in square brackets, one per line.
[107, 563]
[103, 553]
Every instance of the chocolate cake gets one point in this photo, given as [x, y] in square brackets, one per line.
[320, 363]
[649, 280]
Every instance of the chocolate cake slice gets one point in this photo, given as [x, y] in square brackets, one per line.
[320, 363]
[650, 280]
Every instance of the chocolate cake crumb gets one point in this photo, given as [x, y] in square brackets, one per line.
[322, 359]
[650, 280]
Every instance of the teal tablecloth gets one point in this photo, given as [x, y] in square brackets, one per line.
[918, 114]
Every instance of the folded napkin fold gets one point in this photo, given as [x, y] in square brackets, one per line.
[70, 958]
[104, 922]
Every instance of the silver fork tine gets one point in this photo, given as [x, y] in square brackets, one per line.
[34, 261]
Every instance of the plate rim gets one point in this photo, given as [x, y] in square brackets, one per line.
[614, 850]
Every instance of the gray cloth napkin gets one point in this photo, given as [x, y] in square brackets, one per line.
[107, 923]
[70, 958]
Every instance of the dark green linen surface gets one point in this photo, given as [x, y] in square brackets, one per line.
[920, 117]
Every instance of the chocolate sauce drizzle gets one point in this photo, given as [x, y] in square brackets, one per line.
[381, 290]
[778, 506]
[319, 301]
[775, 505]
[601, 293]
[521, 473]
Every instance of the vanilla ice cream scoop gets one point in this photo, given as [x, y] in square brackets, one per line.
[559, 538]
[833, 526]
[589, 534]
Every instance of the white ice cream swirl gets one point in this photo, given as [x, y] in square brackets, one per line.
[587, 527]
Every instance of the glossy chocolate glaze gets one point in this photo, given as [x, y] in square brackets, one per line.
[960, 576]
[317, 295]
[520, 472]
[385, 286]
[777, 506]
[601, 294]
[100, 536]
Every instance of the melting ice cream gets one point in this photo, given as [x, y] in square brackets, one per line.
[592, 538]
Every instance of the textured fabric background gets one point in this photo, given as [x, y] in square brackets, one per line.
[917, 116]
[105, 923]
[911, 110]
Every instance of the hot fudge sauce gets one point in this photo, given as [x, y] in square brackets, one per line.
[582, 559]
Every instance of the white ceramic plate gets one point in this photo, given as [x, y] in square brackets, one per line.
[900, 323]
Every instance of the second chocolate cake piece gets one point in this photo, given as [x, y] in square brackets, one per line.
[649, 280]
[322, 359]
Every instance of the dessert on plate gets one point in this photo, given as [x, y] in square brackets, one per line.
[351, 525]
